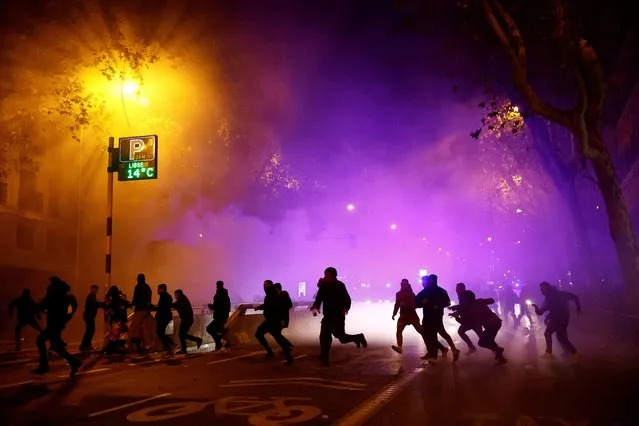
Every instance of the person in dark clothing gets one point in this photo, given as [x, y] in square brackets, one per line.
[274, 318]
[183, 307]
[27, 314]
[480, 315]
[287, 305]
[115, 306]
[91, 306]
[56, 304]
[526, 299]
[141, 302]
[405, 305]
[433, 299]
[163, 316]
[460, 313]
[556, 303]
[336, 301]
[221, 308]
[507, 299]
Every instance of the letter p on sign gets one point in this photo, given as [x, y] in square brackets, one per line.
[136, 147]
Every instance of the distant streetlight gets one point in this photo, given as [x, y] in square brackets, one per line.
[489, 239]
[518, 211]
[201, 235]
[350, 207]
[393, 227]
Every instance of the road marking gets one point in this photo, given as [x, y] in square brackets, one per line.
[88, 372]
[131, 404]
[235, 357]
[10, 385]
[163, 358]
[297, 357]
[305, 381]
[368, 408]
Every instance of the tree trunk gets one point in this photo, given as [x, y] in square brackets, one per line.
[621, 230]
[586, 254]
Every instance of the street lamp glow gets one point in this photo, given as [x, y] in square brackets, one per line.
[518, 211]
[423, 273]
[129, 88]
[489, 239]
[393, 227]
[516, 108]
[350, 207]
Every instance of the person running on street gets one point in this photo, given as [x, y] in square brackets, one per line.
[185, 311]
[405, 304]
[56, 303]
[556, 303]
[508, 299]
[27, 314]
[274, 318]
[480, 315]
[221, 308]
[163, 317]
[91, 306]
[460, 313]
[336, 301]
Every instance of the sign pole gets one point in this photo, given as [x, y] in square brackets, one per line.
[109, 221]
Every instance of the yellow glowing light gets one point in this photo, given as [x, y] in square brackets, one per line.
[129, 88]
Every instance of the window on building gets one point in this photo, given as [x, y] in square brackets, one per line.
[25, 236]
[28, 197]
[54, 202]
[4, 188]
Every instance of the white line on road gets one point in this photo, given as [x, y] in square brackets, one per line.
[110, 410]
[368, 408]
[297, 357]
[309, 379]
[235, 357]
[10, 385]
[88, 372]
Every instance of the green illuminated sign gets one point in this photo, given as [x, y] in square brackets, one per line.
[138, 158]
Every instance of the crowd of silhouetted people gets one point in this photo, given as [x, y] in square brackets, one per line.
[332, 299]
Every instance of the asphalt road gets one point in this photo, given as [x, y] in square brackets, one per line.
[372, 386]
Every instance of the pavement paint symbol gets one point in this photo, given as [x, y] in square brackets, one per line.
[368, 408]
[302, 381]
[260, 412]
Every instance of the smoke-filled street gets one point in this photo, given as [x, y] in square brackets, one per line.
[372, 386]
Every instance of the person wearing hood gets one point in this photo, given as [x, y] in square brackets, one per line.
[27, 314]
[163, 316]
[333, 298]
[274, 318]
[56, 303]
[184, 309]
[556, 303]
[478, 314]
[405, 305]
[141, 302]
[221, 308]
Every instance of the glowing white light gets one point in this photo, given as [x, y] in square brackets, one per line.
[201, 235]
[350, 207]
[529, 302]
[387, 285]
[368, 302]
[489, 239]
[363, 285]
[129, 88]
[440, 249]
[597, 207]
[423, 273]
[519, 211]
[518, 241]
[393, 227]
[516, 108]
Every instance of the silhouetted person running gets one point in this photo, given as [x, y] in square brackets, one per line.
[479, 314]
[405, 304]
[27, 314]
[221, 308]
[461, 314]
[507, 299]
[274, 317]
[141, 302]
[556, 303]
[91, 306]
[526, 300]
[56, 303]
[287, 305]
[116, 306]
[163, 316]
[336, 301]
[185, 311]
[434, 299]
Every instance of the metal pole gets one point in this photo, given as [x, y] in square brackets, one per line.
[109, 222]
[79, 216]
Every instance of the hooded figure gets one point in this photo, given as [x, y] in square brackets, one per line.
[221, 308]
[274, 318]
[405, 304]
[480, 315]
[27, 314]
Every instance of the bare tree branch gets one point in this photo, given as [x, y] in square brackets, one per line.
[518, 61]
